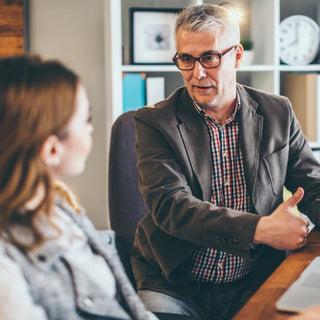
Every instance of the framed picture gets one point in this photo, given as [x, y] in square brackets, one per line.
[152, 35]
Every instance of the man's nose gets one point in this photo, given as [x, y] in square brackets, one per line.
[199, 71]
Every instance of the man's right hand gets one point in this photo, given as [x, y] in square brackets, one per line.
[284, 229]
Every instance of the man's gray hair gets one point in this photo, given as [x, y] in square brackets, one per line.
[206, 16]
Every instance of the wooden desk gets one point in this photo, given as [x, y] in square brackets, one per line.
[262, 304]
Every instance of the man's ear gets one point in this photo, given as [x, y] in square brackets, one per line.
[50, 152]
[239, 55]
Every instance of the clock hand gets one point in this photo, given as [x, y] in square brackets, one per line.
[296, 26]
[292, 43]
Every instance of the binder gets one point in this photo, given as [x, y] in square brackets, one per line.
[133, 91]
[155, 89]
[301, 89]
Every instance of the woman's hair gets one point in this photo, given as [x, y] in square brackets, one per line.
[206, 16]
[37, 99]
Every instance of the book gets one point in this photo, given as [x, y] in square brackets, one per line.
[133, 91]
[301, 89]
[155, 89]
[316, 154]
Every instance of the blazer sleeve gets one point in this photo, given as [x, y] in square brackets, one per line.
[303, 171]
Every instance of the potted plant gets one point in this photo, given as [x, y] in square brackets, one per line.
[248, 55]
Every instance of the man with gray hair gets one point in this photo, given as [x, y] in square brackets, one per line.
[213, 159]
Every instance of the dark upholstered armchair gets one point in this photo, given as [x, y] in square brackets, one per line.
[126, 206]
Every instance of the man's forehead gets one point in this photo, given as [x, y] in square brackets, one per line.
[210, 41]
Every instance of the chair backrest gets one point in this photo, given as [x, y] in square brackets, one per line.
[126, 206]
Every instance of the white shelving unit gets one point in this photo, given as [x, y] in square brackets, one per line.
[261, 24]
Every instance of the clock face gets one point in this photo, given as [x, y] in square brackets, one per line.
[299, 40]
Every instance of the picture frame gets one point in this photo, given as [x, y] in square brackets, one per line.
[152, 35]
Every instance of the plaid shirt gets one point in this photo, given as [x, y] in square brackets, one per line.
[228, 190]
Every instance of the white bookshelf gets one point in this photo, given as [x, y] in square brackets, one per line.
[261, 24]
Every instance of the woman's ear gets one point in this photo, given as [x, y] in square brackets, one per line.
[50, 152]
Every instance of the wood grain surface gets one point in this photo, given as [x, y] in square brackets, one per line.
[11, 27]
[262, 304]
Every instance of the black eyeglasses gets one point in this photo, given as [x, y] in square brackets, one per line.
[208, 61]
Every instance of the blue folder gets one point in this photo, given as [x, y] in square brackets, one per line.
[133, 91]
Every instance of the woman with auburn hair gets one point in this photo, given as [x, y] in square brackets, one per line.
[53, 263]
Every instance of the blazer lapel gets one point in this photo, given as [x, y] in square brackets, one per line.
[250, 131]
[136, 307]
[194, 134]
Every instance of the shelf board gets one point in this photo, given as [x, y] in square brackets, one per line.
[256, 68]
[149, 68]
[249, 68]
[173, 68]
[307, 68]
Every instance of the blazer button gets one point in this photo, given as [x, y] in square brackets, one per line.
[42, 258]
[87, 302]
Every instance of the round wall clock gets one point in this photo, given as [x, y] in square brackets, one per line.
[299, 40]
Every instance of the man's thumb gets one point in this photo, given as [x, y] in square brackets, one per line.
[295, 198]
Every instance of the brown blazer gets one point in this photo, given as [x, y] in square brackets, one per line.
[175, 164]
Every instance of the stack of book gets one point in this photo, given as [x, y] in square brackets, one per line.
[140, 90]
[303, 90]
